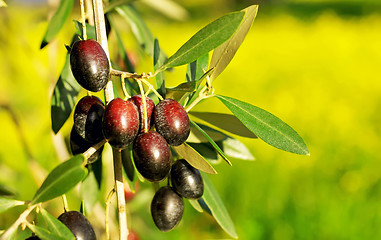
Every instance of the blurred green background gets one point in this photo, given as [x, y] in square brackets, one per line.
[314, 64]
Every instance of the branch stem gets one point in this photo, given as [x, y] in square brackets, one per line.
[119, 186]
[100, 29]
[22, 219]
[83, 19]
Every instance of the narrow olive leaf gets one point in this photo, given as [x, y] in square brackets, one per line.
[6, 191]
[90, 30]
[64, 97]
[181, 90]
[196, 205]
[196, 136]
[138, 27]
[58, 20]
[185, 87]
[121, 49]
[55, 226]
[266, 126]
[61, 179]
[158, 59]
[195, 69]
[44, 234]
[236, 149]
[128, 166]
[206, 151]
[6, 203]
[195, 94]
[227, 122]
[217, 207]
[214, 144]
[205, 40]
[223, 54]
[89, 192]
[194, 158]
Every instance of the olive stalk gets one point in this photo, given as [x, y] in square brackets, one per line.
[21, 220]
[100, 28]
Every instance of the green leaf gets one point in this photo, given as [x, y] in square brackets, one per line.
[206, 151]
[90, 30]
[89, 191]
[205, 40]
[223, 54]
[196, 205]
[6, 191]
[215, 146]
[217, 207]
[158, 59]
[57, 21]
[194, 158]
[196, 136]
[236, 149]
[61, 179]
[55, 226]
[179, 91]
[266, 126]
[43, 233]
[195, 69]
[140, 30]
[64, 97]
[227, 122]
[122, 50]
[6, 203]
[128, 164]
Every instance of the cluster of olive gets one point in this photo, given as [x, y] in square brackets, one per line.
[150, 129]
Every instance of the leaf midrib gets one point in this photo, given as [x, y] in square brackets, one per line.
[244, 21]
[57, 179]
[280, 132]
[196, 45]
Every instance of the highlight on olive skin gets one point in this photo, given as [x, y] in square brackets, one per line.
[78, 225]
[172, 121]
[167, 209]
[186, 180]
[89, 65]
[120, 123]
[152, 156]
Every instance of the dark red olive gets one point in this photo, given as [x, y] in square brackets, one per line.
[120, 123]
[78, 225]
[88, 115]
[152, 156]
[138, 101]
[186, 180]
[79, 145]
[89, 64]
[167, 208]
[172, 121]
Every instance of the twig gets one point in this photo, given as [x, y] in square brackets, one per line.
[119, 186]
[18, 222]
[100, 28]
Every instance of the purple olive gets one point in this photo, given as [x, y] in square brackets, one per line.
[152, 156]
[120, 123]
[167, 208]
[172, 121]
[89, 65]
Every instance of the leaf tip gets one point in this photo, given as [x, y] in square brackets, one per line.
[43, 44]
